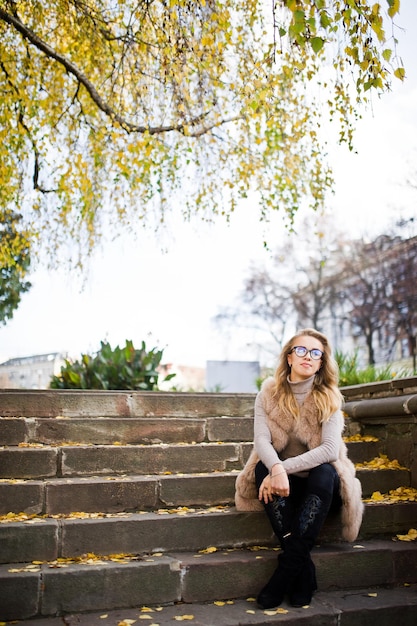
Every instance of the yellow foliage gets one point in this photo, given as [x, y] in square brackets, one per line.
[113, 110]
[401, 494]
[358, 437]
[381, 462]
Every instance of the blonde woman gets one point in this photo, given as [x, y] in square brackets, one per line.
[299, 469]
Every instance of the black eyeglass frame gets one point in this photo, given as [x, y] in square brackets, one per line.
[316, 351]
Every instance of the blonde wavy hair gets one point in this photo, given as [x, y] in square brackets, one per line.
[325, 389]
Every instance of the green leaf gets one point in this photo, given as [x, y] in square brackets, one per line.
[387, 54]
[394, 7]
[399, 73]
[317, 44]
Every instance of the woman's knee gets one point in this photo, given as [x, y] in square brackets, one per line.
[323, 477]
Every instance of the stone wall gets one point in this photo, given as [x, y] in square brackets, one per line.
[388, 411]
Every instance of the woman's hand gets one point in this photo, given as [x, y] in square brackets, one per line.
[275, 485]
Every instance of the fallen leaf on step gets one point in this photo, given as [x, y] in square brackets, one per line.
[181, 618]
[410, 536]
[373, 595]
[381, 462]
[358, 437]
[401, 494]
[209, 550]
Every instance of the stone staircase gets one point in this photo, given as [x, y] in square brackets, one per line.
[119, 506]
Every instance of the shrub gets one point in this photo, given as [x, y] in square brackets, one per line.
[118, 368]
[351, 374]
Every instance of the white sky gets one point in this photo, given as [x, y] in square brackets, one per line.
[135, 291]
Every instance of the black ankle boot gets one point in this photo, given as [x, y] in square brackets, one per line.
[304, 586]
[280, 583]
[274, 591]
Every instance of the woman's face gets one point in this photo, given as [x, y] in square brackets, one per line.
[302, 367]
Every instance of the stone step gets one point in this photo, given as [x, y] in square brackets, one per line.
[131, 430]
[58, 588]
[91, 403]
[152, 430]
[359, 607]
[44, 461]
[67, 461]
[165, 531]
[112, 494]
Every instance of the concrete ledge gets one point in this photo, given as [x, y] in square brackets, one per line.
[381, 408]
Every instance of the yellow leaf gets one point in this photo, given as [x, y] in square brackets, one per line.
[410, 536]
[209, 550]
[181, 618]
[373, 595]
[278, 611]
[219, 603]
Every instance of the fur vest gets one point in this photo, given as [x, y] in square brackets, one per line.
[308, 430]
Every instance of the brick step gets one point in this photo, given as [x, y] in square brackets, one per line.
[362, 607]
[113, 494]
[62, 588]
[164, 531]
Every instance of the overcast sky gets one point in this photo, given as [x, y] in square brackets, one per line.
[135, 291]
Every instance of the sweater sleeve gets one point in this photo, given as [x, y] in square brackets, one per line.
[326, 452]
[262, 436]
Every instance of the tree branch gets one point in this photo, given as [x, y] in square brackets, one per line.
[72, 69]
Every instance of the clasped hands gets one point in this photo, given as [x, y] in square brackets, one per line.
[275, 484]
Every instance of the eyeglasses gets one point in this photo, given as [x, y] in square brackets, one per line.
[301, 352]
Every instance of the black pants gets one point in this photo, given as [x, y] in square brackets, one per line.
[303, 512]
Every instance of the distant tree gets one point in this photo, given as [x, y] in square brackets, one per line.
[111, 111]
[295, 288]
[403, 295]
[14, 263]
[376, 289]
